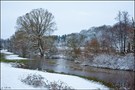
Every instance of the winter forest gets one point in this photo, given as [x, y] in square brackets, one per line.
[103, 56]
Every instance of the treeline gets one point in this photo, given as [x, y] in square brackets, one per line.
[33, 37]
[116, 39]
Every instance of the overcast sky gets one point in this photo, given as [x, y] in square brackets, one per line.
[70, 16]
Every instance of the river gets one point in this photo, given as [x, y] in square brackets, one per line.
[120, 79]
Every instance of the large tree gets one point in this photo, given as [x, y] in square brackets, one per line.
[37, 24]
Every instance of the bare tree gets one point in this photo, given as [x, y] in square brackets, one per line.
[74, 43]
[122, 29]
[37, 24]
[19, 43]
[120, 36]
[133, 26]
[93, 46]
[125, 28]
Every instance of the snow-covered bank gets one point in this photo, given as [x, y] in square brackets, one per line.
[114, 61]
[11, 79]
[11, 56]
[5, 52]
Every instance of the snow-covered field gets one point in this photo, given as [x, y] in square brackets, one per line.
[11, 79]
[11, 56]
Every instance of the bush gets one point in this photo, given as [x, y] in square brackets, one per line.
[59, 85]
[37, 80]
[34, 80]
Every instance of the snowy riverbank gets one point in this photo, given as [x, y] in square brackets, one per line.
[11, 79]
[126, 62]
[11, 56]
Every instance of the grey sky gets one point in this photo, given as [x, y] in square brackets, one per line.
[69, 16]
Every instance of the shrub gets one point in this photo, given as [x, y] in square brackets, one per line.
[34, 80]
[37, 80]
[59, 85]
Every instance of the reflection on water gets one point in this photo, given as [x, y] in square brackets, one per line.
[121, 79]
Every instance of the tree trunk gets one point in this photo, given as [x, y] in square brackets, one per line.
[124, 45]
[40, 63]
[129, 49]
[134, 44]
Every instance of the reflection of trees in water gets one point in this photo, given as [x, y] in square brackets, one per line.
[130, 80]
[126, 81]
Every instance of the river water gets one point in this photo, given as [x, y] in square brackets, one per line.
[121, 79]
